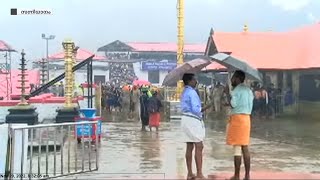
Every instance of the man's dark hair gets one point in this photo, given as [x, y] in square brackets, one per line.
[187, 77]
[240, 74]
[154, 93]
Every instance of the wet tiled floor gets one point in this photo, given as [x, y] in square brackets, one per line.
[128, 153]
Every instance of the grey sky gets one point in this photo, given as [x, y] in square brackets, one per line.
[94, 23]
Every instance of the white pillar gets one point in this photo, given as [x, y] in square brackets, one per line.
[18, 152]
[4, 130]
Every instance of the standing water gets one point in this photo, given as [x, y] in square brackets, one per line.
[126, 152]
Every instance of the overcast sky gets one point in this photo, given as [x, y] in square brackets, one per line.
[94, 23]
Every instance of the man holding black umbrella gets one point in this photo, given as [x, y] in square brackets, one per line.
[239, 126]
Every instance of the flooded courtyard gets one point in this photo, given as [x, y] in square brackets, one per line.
[157, 55]
[128, 153]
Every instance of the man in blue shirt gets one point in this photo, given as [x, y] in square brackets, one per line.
[192, 124]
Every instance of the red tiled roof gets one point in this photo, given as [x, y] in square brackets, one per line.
[165, 47]
[308, 39]
[214, 67]
[295, 49]
[82, 54]
[5, 47]
[33, 78]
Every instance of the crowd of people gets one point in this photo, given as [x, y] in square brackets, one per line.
[268, 100]
[58, 89]
[134, 102]
[118, 55]
[121, 73]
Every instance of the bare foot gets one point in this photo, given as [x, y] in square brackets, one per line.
[246, 178]
[234, 178]
[200, 176]
[191, 177]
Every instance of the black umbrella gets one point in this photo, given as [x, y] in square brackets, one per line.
[233, 64]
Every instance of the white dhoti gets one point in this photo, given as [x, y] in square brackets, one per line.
[193, 129]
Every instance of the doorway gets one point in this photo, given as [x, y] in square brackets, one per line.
[99, 79]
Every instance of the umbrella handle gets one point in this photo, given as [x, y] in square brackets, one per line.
[229, 81]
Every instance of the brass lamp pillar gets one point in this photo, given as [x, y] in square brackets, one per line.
[23, 112]
[69, 110]
[68, 47]
[23, 80]
[74, 56]
[180, 45]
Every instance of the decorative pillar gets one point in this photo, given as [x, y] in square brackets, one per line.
[69, 110]
[98, 95]
[180, 45]
[73, 73]
[284, 89]
[284, 81]
[43, 71]
[296, 89]
[23, 80]
[68, 47]
[23, 112]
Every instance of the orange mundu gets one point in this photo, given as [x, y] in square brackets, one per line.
[238, 130]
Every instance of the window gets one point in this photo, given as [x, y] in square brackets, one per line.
[154, 76]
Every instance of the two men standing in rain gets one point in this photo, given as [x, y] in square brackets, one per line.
[240, 99]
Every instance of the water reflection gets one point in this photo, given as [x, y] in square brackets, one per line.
[150, 151]
[126, 152]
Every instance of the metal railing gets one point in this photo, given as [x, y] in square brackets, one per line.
[53, 150]
[171, 103]
[169, 94]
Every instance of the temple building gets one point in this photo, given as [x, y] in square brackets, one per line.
[147, 61]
